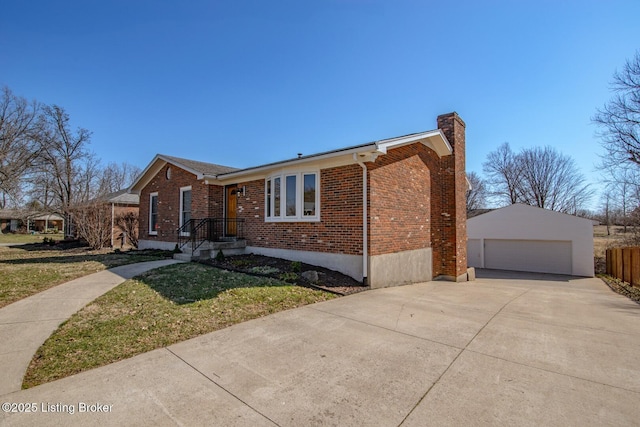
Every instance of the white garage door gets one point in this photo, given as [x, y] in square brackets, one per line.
[540, 256]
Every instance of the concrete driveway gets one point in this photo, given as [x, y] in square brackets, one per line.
[503, 350]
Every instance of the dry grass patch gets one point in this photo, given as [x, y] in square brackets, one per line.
[603, 241]
[157, 309]
[29, 269]
[28, 238]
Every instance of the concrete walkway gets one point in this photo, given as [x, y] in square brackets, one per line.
[26, 324]
[519, 350]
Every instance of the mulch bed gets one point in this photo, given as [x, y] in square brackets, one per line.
[281, 269]
[623, 288]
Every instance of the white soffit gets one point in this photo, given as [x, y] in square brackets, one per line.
[434, 139]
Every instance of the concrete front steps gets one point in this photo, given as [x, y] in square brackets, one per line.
[210, 249]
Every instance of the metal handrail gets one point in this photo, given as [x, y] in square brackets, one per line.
[197, 231]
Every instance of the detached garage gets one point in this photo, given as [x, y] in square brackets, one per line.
[525, 238]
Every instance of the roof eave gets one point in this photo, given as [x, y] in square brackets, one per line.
[295, 162]
[158, 162]
[435, 139]
[141, 181]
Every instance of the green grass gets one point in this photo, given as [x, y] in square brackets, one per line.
[28, 238]
[156, 309]
[29, 269]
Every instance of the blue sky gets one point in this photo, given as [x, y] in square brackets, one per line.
[242, 83]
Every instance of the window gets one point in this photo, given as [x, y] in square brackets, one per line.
[276, 196]
[292, 197]
[185, 205]
[268, 204]
[309, 207]
[153, 213]
[290, 184]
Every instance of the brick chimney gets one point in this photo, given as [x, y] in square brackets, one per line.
[454, 207]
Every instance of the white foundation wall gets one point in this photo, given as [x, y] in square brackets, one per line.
[156, 244]
[351, 265]
[400, 268]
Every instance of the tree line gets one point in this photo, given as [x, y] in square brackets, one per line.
[538, 176]
[46, 165]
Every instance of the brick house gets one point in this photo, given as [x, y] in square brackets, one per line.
[13, 220]
[388, 212]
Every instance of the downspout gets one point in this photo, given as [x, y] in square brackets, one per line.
[365, 241]
[113, 209]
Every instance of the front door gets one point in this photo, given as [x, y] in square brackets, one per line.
[230, 214]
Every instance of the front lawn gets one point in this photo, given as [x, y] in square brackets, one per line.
[28, 269]
[157, 309]
[28, 238]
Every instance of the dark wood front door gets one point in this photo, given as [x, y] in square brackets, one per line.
[230, 215]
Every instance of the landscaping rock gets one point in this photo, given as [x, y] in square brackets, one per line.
[311, 276]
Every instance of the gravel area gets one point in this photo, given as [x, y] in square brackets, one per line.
[623, 288]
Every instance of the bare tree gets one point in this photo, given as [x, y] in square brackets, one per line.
[503, 173]
[606, 212]
[477, 195]
[127, 223]
[19, 141]
[63, 156]
[539, 177]
[117, 176]
[619, 119]
[93, 223]
[550, 180]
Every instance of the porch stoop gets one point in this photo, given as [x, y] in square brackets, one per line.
[210, 249]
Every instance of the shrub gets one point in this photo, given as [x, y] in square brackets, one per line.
[289, 277]
[264, 269]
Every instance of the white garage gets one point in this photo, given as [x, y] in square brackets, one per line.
[526, 238]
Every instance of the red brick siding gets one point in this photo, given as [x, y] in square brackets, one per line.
[169, 202]
[216, 201]
[454, 211]
[399, 200]
[416, 200]
[340, 228]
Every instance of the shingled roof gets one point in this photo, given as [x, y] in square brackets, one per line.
[200, 168]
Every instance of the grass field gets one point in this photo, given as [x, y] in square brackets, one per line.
[602, 240]
[28, 269]
[28, 238]
[159, 308]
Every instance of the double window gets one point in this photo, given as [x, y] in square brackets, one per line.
[153, 213]
[293, 197]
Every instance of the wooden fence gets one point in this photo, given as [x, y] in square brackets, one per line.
[624, 264]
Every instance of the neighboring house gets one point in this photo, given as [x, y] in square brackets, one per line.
[387, 212]
[121, 203]
[526, 238]
[46, 223]
[12, 220]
